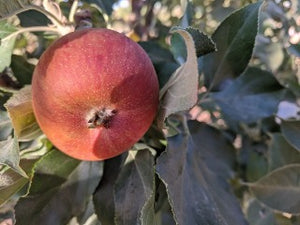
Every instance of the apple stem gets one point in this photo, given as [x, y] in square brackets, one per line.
[101, 117]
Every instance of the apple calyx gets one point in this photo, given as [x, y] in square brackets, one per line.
[102, 117]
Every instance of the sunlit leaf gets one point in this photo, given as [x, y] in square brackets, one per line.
[181, 91]
[280, 189]
[19, 107]
[12, 184]
[234, 39]
[6, 44]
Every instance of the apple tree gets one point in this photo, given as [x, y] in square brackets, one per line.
[224, 147]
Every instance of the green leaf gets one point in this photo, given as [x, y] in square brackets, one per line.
[181, 91]
[134, 190]
[257, 214]
[12, 184]
[22, 69]
[12, 7]
[253, 96]
[281, 152]
[280, 189]
[254, 159]
[10, 155]
[103, 197]
[203, 44]
[234, 39]
[19, 107]
[60, 190]
[197, 194]
[162, 59]
[32, 18]
[5, 126]
[291, 132]
[6, 44]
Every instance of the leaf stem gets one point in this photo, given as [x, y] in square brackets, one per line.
[31, 29]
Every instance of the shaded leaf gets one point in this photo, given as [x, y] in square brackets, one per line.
[22, 69]
[257, 214]
[19, 107]
[33, 18]
[281, 152]
[280, 189]
[134, 190]
[253, 96]
[103, 197]
[10, 155]
[234, 39]
[181, 91]
[291, 132]
[60, 190]
[162, 59]
[10, 8]
[253, 157]
[6, 44]
[196, 193]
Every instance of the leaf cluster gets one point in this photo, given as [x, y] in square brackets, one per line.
[224, 148]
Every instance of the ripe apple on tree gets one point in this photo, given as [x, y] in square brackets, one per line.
[95, 93]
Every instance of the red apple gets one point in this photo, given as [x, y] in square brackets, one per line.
[95, 93]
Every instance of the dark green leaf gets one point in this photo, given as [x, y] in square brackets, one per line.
[253, 96]
[10, 8]
[6, 44]
[234, 39]
[103, 197]
[291, 132]
[294, 49]
[22, 69]
[61, 189]
[280, 189]
[254, 159]
[281, 152]
[162, 60]
[181, 91]
[203, 44]
[32, 18]
[134, 190]
[197, 194]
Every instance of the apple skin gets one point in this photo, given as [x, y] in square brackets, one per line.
[87, 72]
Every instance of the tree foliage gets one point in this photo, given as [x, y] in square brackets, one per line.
[224, 148]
